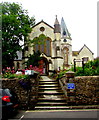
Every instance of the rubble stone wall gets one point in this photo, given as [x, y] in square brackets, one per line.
[86, 89]
[27, 96]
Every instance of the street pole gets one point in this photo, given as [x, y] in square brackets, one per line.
[83, 64]
[74, 65]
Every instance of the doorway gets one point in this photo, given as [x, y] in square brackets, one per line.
[43, 64]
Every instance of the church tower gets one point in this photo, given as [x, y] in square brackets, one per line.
[58, 61]
[66, 45]
[57, 37]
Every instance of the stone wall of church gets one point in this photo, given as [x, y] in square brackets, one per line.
[58, 64]
[47, 31]
[70, 56]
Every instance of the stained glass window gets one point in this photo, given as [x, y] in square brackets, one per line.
[48, 47]
[36, 47]
[45, 48]
[42, 48]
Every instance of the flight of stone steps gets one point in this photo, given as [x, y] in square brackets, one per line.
[51, 97]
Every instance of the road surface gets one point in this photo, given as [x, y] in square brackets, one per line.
[59, 115]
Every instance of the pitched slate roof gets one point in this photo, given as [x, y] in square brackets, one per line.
[64, 29]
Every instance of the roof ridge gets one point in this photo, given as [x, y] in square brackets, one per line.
[86, 47]
[44, 23]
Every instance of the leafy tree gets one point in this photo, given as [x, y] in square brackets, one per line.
[39, 40]
[34, 59]
[16, 25]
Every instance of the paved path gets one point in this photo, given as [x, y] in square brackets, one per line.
[45, 78]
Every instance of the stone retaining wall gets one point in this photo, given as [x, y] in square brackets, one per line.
[86, 90]
[27, 96]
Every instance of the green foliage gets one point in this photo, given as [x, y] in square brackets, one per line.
[22, 76]
[86, 72]
[39, 40]
[61, 74]
[91, 68]
[79, 71]
[11, 76]
[34, 59]
[16, 24]
[8, 75]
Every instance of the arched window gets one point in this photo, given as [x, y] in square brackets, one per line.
[36, 48]
[44, 47]
[48, 49]
[65, 54]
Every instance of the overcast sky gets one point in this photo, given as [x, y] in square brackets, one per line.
[80, 17]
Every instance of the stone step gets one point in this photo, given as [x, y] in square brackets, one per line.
[51, 96]
[51, 99]
[51, 88]
[55, 96]
[47, 85]
[51, 107]
[48, 82]
[60, 103]
[50, 93]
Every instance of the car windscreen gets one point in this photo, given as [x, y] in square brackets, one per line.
[5, 92]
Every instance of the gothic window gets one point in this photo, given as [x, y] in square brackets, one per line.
[42, 29]
[36, 48]
[42, 48]
[64, 32]
[65, 53]
[65, 40]
[45, 47]
[48, 47]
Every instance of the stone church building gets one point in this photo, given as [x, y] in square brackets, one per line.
[57, 50]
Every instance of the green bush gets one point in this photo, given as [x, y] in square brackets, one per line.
[22, 76]
[90, 69]
[61, 74]
[10, 76]
[79, 71]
